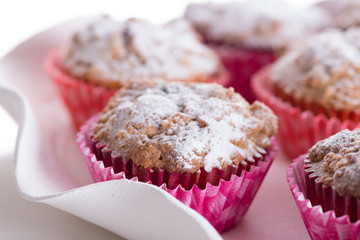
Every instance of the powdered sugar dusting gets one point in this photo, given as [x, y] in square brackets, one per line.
[121, 52]
[323, 68]
[336, 160]
[256, 23]
[184, 128]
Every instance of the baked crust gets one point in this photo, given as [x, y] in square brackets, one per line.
[113, 54]
[336, 162]
[184, 127]
[259, 24]
[322, 69]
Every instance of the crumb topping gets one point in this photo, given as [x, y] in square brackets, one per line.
[112, 54]
[323, 69]
[184, 127]
[256, 23]
[336, 162]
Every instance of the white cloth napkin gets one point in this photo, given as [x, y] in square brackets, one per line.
[49, 167]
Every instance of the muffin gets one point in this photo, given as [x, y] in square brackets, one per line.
[248, 35]
[202, 143]
[314, 88]
[325, 184]
[107, 55]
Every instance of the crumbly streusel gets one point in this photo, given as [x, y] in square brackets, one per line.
[336, 162]
[112, 54]
[323, 69]
[184, 127]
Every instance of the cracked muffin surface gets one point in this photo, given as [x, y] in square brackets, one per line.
[113, 54]
[336, 162]
[323, 69]
[184, 127]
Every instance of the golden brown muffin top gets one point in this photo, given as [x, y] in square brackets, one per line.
[264, 24]
[184, 127]
[349, 16]
[112, 54]
[323, 69]
[336, 162]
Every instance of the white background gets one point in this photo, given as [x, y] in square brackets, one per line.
[20, 219]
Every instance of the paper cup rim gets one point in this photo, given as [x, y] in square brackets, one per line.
[300, 196]
[264, 73]
[269, 157]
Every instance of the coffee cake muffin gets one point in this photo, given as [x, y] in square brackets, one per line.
[314, 88]
[107, 55]
[329, 178]
[248, 34]
[188, 138]
[323, 71]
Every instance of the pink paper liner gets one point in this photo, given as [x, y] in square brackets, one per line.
[328, 199]
[82, 99]
[223, 205]
[320, 225]
[242, 63]
[316, 108]
[298, 129]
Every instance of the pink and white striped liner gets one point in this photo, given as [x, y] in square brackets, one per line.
[82, 99]
[320, 225]
[320, 194]
[298, 129]
[223, 205]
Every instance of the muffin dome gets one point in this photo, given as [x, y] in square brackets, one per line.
[184, 127]
[322, 69]
[336, 162]
[257, 24]
[112, 54]
[349, 16]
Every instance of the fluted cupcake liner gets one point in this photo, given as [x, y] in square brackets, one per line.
[322, 223]
[298, 129]
[322, 195]
[221, 196]
[242, 63]
[83, 99]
